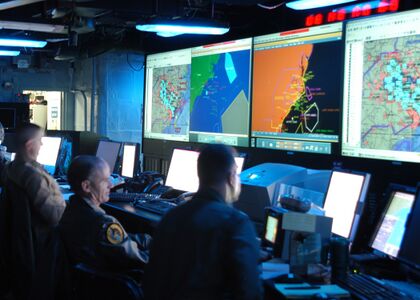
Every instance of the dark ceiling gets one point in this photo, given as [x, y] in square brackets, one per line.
[91, 27]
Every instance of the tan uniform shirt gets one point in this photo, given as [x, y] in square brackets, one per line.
[43, 192]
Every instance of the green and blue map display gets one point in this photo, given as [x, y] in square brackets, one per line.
[219, 99]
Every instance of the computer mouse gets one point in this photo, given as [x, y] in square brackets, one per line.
[288, 278]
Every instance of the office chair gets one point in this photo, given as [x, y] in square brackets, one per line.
[91, 283]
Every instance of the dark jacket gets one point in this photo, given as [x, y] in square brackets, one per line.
[94, 238]
[203, 249]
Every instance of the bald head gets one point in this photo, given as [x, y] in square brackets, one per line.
[215, 163]
[82, 168]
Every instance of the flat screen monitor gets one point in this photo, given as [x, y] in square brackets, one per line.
[129, 160]
[390, 231]
[381, 88]
[344, 200]
[182, 173]
[296, 92]
[220, 91]
[13, 113]
[109, 151]
[48, 153]
[273, 235]
[167, 95]
[410, 245]
[271, 227]
[8, 117]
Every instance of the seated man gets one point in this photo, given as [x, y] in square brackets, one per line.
[206, 249]
[31, 205]
[45, 198]
[90, 235]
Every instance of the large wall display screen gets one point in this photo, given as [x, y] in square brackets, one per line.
[296, 89]
[167, 101]
[381, 106]
[220, 93]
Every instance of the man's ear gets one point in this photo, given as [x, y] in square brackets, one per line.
[29, 144]
[85, 185]
[231, 178]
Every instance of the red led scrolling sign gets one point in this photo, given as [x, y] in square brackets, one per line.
[353, 11]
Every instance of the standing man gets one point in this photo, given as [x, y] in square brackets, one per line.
[31, 204]
[89, 234]
[206, 249]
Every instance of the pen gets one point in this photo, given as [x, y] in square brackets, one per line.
[312, 287]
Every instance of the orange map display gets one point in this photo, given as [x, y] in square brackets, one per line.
[278, 83]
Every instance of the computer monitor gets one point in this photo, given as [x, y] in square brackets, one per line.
[167, 95]
[344, 200]
[48, 153]
[109, 151]
[220, 91]
[391, 228]
[13, 113]
[271, 228]
[182, 173]
[296, 90]
[130, 159]
[409, 251]
[273, 236]
[8, 117]
[381, 88]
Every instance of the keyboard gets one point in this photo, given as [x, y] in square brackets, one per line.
[159, 207]
[366, 287]
[410, 288]
[131, 197]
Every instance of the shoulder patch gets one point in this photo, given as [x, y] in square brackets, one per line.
[115, 233]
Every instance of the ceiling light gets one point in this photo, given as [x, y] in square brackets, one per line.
[9, 53]
[167, 34]
[39, 27]
[22, 43]
[16, 3]
[308, 4]
[180, 27]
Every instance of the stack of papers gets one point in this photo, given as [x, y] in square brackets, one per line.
[273, 268]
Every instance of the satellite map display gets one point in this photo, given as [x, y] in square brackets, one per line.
[391, 94]
[171, 94]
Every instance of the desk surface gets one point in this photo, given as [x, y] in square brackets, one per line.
[127, 213]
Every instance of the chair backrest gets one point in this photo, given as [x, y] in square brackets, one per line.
[16, 237]
[91, 283]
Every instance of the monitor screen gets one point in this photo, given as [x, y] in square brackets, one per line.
[296, 89]
[129, 160]
[220, 91]
[391, 228]
[109, 151]
[381, 87]
[8, 117]
[409, 251]
[48, 153]
[182, 173]
[271, 226]
[167, 95]
[345, 191]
